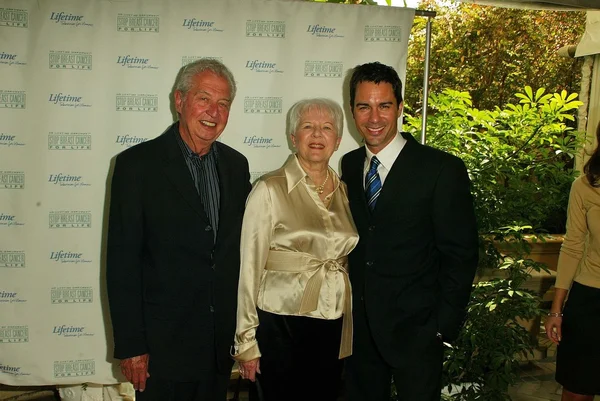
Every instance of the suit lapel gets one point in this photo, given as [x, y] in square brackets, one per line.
[355, 180]
[178, 174]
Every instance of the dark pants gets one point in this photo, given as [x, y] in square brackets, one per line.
[299, 359]
[212, 387]
[578, 355]
[368, 375]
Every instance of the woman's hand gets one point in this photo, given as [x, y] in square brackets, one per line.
[554, 328]
[248, 370]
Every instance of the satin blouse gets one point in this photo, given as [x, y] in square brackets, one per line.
[294, 255]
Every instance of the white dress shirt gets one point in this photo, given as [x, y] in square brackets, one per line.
[387, 156]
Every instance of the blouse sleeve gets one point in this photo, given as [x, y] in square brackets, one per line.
[573, 246]
[254, 249]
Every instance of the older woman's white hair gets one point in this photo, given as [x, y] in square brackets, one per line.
[323, 105]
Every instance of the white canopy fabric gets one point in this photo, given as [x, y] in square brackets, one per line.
[564, 5]
[590, 41]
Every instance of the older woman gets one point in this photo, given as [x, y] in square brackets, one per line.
[294, 308]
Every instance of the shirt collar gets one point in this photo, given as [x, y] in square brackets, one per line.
[295, 174]
[387, 156]
[189, 153]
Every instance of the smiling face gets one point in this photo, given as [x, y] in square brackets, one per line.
[376, 112]
[316, 136]
[203, 110]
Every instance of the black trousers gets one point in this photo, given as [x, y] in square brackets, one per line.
[368, 376]
[212, 387]
[299, 359]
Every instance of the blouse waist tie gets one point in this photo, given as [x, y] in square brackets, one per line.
[298, 262]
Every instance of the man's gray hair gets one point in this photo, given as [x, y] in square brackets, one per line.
[183, 82]
[323, 105]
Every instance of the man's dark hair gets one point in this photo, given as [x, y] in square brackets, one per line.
[592, 167]
[375, 72]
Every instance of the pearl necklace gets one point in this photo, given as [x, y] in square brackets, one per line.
[321, 188]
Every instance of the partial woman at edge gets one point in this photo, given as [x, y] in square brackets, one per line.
[575, 328]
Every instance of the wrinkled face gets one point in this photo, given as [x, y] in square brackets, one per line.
[376, 112]
[316, 137]
[204, 109]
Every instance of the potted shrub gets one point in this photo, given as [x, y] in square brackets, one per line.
[520, 160]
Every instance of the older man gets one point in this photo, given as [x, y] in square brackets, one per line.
[173, 246]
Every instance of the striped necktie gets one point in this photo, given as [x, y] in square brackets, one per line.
[372, 183]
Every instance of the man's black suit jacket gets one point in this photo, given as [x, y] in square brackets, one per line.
[172, 290]
[414, 265]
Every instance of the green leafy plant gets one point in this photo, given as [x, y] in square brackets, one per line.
[519, 158]
[520, 161]
[484, 361]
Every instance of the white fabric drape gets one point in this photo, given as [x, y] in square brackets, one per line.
[81, 80]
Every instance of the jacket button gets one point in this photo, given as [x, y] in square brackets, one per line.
[208, 228]
[369, 263]
[371, 228]
[211, 308]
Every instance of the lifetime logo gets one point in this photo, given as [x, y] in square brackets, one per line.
[68, 331]
[71, 295]
[252, 140]
[14, 334]
[6, 137]
[262, 66]
[67, 180]
[379, 33]
[9, 220]
[68, 257]
[12, 370]
[138, 23]
[6, 217]
[10, 59]
[70, 219]
[12, 259]
[263, 105]
[13, 99]
[200, 25]
[322, 31]
[7, 56]
[70, 60]
[12, 180]
[265, 29]
[14, 18]
[62, 16]
[67, 100]
[78, 368]
[144, 103]
[129, 140]
[126, 60]
[10, 297]
[60, 178]
[323, 69]
[9, 140]
[69, 141]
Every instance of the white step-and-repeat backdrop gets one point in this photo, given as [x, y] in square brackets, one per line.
[81, 80]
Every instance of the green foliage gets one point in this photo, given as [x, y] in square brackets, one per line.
[519, 157]
[492, 52]
[484, 361]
